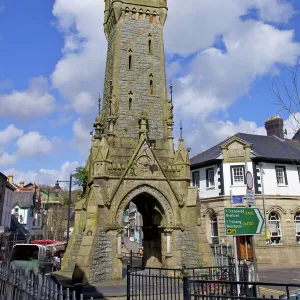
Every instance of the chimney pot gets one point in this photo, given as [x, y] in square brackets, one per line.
[274, 126]
[21, 183]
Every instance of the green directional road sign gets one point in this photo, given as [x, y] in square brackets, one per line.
[243, 221]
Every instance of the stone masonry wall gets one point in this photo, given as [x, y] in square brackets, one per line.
[108, 73]
[189, 249]
[75, 242]
[101, 269]
[134, 36]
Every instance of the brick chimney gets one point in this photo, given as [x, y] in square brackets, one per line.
[10, 178]
[21, 184]
[274, 126]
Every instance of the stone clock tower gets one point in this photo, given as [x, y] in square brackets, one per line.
[132, 157]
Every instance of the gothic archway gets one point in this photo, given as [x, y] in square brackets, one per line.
[156, 215]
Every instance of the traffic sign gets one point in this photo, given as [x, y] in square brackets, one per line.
[249, 180]
[243, 221]
[250, 195]
[237, 199]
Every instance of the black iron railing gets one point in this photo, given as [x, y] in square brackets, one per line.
[201, 283]
[220, 289]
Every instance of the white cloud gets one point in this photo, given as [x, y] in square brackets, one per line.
[28, 145]
[82, 137]
[33, 144]
[84, 103]
[216, 79]
[274, 10]
[33, 102]
[292, 125]
[206, 134]
[8, 135]
[45, 176]
[201, 21]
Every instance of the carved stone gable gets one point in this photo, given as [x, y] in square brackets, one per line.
[236, 150]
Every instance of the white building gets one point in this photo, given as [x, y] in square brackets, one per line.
[275, 165]
[24, 210]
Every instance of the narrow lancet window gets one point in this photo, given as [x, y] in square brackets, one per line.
[130, 62]
[151, 87]
[150, 47]
[130, 104]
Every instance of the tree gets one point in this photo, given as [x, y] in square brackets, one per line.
[287, 93]
[80, 176]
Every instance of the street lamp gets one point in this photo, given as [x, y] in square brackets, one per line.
[57, 188]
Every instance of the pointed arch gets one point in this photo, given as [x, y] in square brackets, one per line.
[155, 193]
[152, 85]
[276, 208]
[130, 60]
[150, 44]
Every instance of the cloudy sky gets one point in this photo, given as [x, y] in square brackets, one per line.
[220, 54]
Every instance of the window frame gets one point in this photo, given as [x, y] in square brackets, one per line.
[214, 226]
[284, 175]
[232, 175]
[208, 170]
[275, 239]
[193, 178]
[297, 220]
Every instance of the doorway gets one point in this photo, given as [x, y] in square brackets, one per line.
[245, 247]
[149, 229]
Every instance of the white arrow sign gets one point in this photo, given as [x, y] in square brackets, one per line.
[260, 219]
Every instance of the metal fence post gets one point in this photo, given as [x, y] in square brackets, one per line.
[78, 290]
[186, 284]
[128, 282]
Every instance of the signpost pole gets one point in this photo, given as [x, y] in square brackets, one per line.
[235, 256]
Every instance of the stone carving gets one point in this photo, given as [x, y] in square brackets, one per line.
[236, 152]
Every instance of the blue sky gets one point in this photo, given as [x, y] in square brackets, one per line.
[221, 57]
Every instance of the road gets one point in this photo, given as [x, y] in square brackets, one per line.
[279, 275]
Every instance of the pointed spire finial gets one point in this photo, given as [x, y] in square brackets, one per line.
[181, 129]
[171, 91]
[99, 104]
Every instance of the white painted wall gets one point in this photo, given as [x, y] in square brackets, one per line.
[26, 215]
[270, 182]
[207, 192]
[237, 189]
[7, 207]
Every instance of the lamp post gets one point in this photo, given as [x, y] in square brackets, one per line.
[57, 188]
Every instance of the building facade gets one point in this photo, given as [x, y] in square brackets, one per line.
[7, 205]
[133, 223]
[275, 164]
